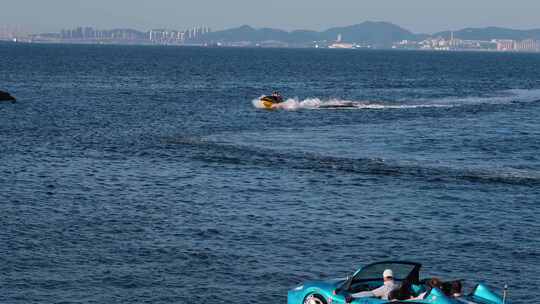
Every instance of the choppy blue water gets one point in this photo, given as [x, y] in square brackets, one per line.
[148, 174]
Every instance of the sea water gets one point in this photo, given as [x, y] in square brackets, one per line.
[150, 174]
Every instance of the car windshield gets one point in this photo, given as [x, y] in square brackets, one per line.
[375, 271]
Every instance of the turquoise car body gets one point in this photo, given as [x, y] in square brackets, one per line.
[337, 291]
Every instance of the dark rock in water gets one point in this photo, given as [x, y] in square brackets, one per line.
[5, 96]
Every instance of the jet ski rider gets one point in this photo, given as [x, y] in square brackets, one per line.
[277, 96]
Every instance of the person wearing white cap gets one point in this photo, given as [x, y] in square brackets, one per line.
[383, 291]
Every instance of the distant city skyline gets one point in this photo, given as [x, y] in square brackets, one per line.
[421, 16]
[368, 35]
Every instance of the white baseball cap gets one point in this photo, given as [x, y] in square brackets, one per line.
[388, 273]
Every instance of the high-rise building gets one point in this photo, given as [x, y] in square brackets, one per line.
[505, 45]
[528, 45]
[88, 33]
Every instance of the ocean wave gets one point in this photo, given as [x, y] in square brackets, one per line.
[213, 152]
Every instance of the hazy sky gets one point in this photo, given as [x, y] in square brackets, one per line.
[416, 15]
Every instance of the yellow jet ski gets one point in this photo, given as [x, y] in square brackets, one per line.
[270, 101]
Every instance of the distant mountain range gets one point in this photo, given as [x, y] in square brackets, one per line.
[488, 33]
[378, 34]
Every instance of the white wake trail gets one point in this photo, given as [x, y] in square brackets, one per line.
[314, 103]
[292, 104]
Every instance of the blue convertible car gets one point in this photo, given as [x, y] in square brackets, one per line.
[406, 275]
